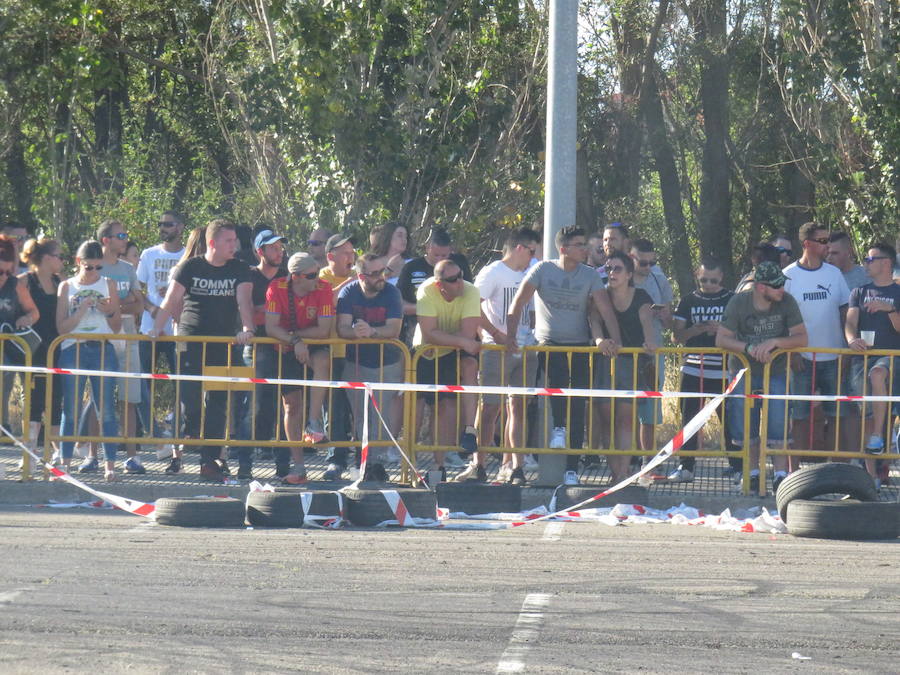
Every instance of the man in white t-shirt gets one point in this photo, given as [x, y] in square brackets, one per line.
[822, 294]
[153, 273]
[497, 284]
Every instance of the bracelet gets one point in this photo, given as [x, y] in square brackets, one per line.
[747, 346]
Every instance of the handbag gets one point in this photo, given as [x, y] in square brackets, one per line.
[28, 335]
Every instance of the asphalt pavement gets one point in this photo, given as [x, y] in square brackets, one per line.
[100, 591]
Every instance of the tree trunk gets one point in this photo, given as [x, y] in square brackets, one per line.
[669, 183]
[715, 190]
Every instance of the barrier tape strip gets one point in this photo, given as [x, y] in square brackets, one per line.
[445, 388]
[687, 432]
[129, 505]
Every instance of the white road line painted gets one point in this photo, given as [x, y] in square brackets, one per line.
[553, 531]
[527, 630]
[143, 526]
[9, 596]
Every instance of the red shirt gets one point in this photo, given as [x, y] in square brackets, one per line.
[308, 308]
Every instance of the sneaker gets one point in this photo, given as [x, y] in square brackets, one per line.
[504, 473]
[454, 461]
[245, 472]
[89, 465]
[295, 479]
[517, 477]
[558, 438]
[474, 472]
[875, 446]
[223, 467]
[134, 465]
[776, 483]
[174, 466]
[531, 462]
[334, 472]
[468, 442]
[681, 476]
[314, 432]
[570, 478]
[754, 485]
[282, 470]
[376, 473]
[211, 472]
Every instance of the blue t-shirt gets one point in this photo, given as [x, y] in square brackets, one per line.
[885, 335]
[388, 304]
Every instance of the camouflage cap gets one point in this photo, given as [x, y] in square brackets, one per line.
[770, 274]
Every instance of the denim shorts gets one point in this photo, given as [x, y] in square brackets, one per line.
[775, 429]
[826, 383]
[860, 370]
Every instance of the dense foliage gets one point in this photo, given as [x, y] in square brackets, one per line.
[707, 124]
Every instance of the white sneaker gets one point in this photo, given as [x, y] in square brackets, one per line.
[570, 478]
[82, 450]
[165, 451]
[504, 473]
[531, 462]
[558, 438]
[681, 476]
[453, 460]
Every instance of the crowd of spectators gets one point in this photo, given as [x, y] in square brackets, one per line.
[605, 291]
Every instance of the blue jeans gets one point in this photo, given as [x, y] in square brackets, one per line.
[150, 362]
[734, 412]
[91, 355]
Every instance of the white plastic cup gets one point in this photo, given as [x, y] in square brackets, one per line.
[868, 336]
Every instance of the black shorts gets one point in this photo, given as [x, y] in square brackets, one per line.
[443, 370]
[292, 369]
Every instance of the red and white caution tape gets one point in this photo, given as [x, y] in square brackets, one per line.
[692, 427]
[129, 505]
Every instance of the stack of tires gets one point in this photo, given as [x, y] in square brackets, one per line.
[835, 501]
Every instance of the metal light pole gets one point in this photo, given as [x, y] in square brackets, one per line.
[559, 171]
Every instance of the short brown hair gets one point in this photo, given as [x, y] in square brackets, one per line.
[214, 227]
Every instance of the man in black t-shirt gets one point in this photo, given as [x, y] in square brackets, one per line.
[696, 322]
[269, 249]
[437, 248]
[213, 292]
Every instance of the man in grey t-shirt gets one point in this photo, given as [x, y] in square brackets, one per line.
[563, 291]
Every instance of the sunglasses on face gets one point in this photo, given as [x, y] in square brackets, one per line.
[451, 280]
[646, 263]
[121, 236]
[166, 223]
[91, 268]
[775, 286]
[614, 268]
[782, 249]
[309, 275]
[869, 260]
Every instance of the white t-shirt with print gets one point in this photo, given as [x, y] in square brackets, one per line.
[498, 283]
[820, 293]
[153, 271]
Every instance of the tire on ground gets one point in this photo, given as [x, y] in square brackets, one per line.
[282, 508]
[366, 506]
[569, 495]
[200, 512]
[823, 479]
[477, 498]
[845, 519]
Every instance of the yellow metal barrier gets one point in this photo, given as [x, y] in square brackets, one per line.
[841, 436]
[632, 370]
[223, 357]
[15, 351]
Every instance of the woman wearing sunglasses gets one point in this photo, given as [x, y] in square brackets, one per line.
[89, 303]
[632, 309]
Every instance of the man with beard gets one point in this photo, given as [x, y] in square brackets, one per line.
[269, 248]
[153, 271]
[369, 307]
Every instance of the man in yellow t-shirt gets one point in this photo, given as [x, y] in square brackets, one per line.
[449, 313]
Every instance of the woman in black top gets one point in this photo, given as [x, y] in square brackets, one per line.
[44, 259]
[632, 308]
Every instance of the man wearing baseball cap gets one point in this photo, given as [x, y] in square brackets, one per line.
[758, 322]
[298, 308]
[269, 249]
